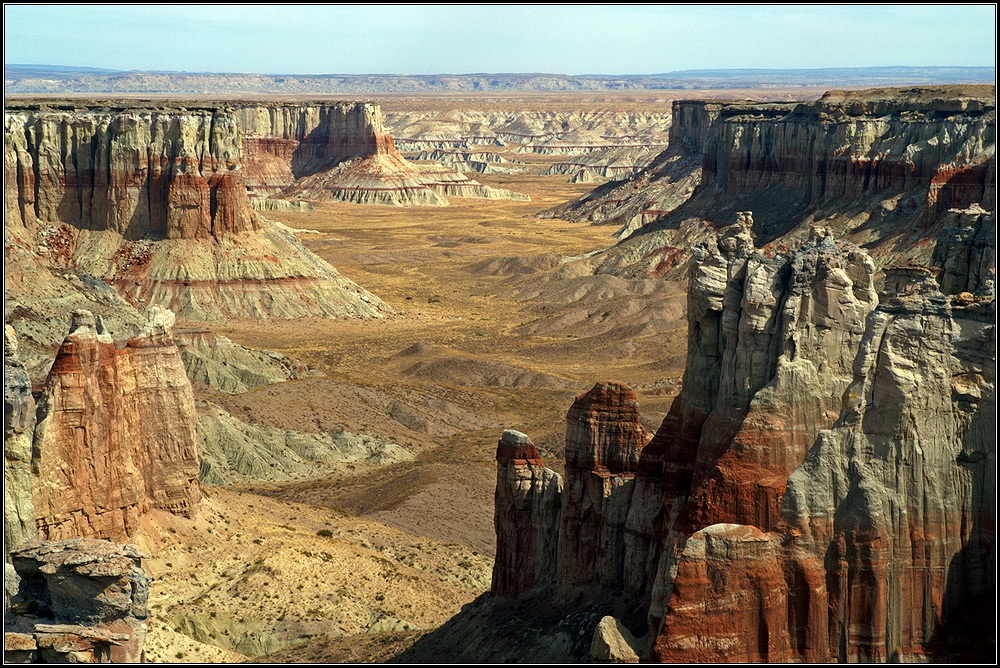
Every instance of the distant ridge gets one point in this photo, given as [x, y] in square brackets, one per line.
[58, 79]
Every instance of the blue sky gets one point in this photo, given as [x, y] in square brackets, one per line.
[437, 39]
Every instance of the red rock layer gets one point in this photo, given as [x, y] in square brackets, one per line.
[885, 530]
[285, 142]
[604, 443]
[116, 433]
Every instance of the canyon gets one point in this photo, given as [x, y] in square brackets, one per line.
[801, 301]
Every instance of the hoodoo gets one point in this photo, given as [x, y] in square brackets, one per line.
[116, 433]
[823, 486]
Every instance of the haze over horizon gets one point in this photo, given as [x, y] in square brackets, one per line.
[425, 39]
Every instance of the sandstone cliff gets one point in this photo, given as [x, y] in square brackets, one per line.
[880, 168]
[823, 487]
[153, 202]
[527, 509]
[140, 173]
[81, 601]
[604, 441]
[18, 427]
[342, 151]
[116, 433]
[884, 534]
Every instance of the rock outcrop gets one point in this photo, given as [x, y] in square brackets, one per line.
[342, 151]
[216, 362]
[137, 172]
[115, 434]
[18, 428]
[604, 441]
[880, 168]
[81, 601]
[233, 451]
[152, 201]
[884, 534]
[823, 487]
[527, 509]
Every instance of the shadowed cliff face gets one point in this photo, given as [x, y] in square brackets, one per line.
[153, 202]
[115, 434]
[282, 143]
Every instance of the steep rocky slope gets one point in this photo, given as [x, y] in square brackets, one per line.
[151, 201]
[879, 167]
[341, 151]
[821, 490]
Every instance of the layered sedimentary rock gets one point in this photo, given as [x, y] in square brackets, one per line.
[153, 202]
[885, 533]
[527, 509]
[605, 163]
[217, 362]
[469, 161]
[823, 487]
[341, 151]
[18, 428]
[604, 441]
[140, 173]
[879, 167]
[116, 433]
[81, 601]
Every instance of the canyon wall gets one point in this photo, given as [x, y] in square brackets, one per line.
[151, 199]
[880, 168]
[116, 433]
[823, 487]
[172, 174]
[284, 142]
[527, 509]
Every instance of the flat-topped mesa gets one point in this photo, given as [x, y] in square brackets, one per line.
[861, 142]
[604, 441]
[286, 141]
[79, 601]
[527, 506]
[342, 151]
[865, 562]
[143, 173]
[116, 433]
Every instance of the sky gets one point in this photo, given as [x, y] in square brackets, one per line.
[462, 39]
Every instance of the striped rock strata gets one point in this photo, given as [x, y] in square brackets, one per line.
[81, 601]
[527, 507]
[153, 202]
[880, 167]
[823, 487]
[341, 151]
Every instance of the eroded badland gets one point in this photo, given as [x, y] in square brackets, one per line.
[350, 502]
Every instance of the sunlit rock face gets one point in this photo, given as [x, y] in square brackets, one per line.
[80, 601]
[823, 487]
[116, 433]
[152, 200]
[172, 174]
